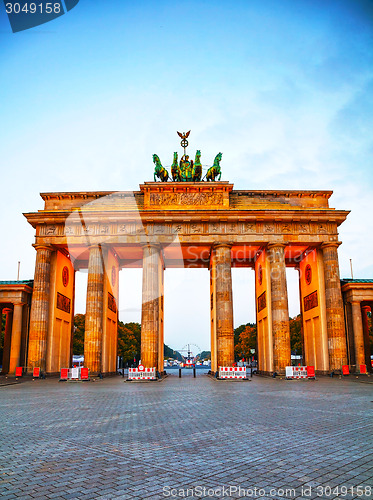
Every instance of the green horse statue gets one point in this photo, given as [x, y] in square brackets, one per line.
[175, 170]
[214, 171]
[159, 171]
[197, 167]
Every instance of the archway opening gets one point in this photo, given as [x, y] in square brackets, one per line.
[77, 345]
[187, 316]
[296, 340]
[129, 317]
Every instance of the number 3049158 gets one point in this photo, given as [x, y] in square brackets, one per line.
[33, 8]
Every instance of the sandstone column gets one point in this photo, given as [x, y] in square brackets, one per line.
[279, 307]
[37, 347]
[161, 316]
[150, 306]
[214, 365]
[7, 339]
[94, 310]
[15, 349]
[358, 335]
[224, 305]
[334, 308]
[364, 312]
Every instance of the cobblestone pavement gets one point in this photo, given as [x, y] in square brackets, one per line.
[111, 439]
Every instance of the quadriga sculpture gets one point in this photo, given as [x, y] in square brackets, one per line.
[214, 171]
[175, 170]
[197, 167]
[159, 170]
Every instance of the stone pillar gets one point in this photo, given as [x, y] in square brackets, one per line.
[364, 313]
[161, 316]
[358, 335]
[15, 349]
[7, 339]
[1, 325]
[334, 308]
[214, 365]
[150, 306]
[224, 305]
[279, 308]
[37, 347]
[94, 311]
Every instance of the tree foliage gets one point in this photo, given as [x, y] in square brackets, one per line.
[296, 335]
[246, 341]
[170, 353]
[204, 355]
[245, 338]
[78, 337]
[129, 341]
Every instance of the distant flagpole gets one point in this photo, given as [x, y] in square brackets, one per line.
[352, 273]
[19, 265]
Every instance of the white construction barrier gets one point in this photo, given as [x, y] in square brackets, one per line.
[232, 372]
[142, 374]
[299, 372]
[76, 373]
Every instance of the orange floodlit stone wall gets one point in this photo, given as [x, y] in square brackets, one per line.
[263, 313]
[61, 313]
[312, 298]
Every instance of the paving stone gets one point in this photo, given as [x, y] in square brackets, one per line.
[129, 441]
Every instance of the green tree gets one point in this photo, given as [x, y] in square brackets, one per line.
[129, 338]
[78, 336]
[246, 341]
[296, 334]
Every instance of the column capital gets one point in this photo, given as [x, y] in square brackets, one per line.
[222, 244]
[97, 245]
[330, 244]
[18, 304]
[38, 246]
[150, 244]
[277, 245]
[7, 310]
[365, 308]
[355, 302]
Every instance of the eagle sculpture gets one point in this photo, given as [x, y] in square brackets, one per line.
[183, 135]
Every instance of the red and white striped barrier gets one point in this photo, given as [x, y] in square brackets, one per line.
[76, 373]
[232, 372]
[298, 372]
[142, 374]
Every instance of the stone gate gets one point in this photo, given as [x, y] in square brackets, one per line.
[188, 224]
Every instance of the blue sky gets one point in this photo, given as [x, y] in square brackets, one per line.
[283, 88]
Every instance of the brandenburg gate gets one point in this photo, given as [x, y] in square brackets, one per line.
[186, 223]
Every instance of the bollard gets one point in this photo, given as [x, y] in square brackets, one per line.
[179, 372]
[194, 372]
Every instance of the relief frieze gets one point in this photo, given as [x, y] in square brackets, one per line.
[215, 227]
[249, 227]
[178, 228]
[51, 230]
[196, 228]
[286, 228]
[195, 199]
[304, 228]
